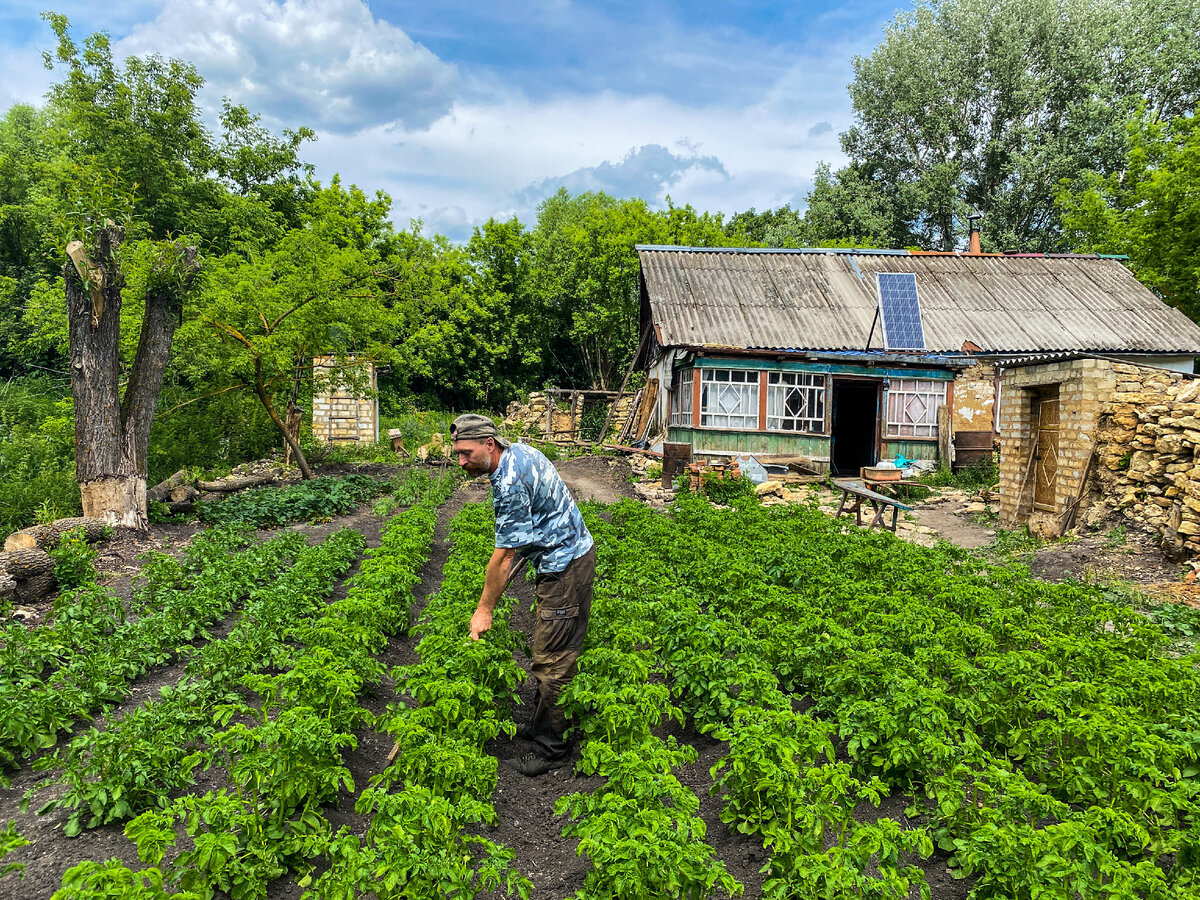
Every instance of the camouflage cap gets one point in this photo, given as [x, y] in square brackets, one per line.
[474, 427]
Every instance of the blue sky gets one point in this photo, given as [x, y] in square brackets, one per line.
[462, 111]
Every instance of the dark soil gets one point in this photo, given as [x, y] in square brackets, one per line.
[1135, 557]
[604, 479]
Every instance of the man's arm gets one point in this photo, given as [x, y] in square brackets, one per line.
[499, 570]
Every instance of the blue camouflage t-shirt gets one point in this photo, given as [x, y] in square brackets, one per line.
[535, 514]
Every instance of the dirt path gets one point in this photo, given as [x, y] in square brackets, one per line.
[604, 479]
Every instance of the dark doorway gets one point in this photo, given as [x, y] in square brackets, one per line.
[854, 433]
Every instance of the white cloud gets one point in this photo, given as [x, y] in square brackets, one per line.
[453, 149]
[329, 64]
[645, 172]
[498, 157]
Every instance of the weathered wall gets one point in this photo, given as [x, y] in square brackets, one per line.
[338, 415]
[974, 398]
[710, 443]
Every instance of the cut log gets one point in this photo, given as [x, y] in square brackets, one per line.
[184, 494]
[46, 536]
[181, 507]
[229, 485]
[8, 585]
[25, 564]
[163, 489]
[36, 588]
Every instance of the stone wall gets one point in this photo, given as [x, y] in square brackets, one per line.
[566, 415]
[1148, 451]
[974, 407]
[339, 415]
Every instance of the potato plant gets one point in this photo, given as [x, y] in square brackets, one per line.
[1019, 714]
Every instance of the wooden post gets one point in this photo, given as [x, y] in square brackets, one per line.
[945, 438]
[624, 381]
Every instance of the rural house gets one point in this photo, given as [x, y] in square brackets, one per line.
[848, 357]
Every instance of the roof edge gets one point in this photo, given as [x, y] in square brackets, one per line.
[831, 251]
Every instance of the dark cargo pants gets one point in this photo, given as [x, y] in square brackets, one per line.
[563, 609]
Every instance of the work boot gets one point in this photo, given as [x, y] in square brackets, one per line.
[532, 764]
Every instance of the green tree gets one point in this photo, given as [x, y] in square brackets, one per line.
[983, 105]
[585, 278]
[1150, 211]
[321, 290]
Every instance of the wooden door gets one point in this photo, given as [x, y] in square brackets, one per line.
[1046, 459]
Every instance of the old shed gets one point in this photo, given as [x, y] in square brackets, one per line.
[848, 357]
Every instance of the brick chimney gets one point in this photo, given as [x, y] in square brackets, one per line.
[973, 239]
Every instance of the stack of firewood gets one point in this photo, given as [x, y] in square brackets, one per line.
[26, 569]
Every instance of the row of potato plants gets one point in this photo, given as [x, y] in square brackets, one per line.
[279, 751]
[426, 806]
[91, 651]
[112, 774]
[639, 829]
[1049, 735]
[780, 781]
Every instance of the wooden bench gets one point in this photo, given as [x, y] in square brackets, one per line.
[858, 492]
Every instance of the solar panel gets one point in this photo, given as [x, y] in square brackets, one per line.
[901, 311]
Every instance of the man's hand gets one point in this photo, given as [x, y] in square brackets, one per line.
[499, 569]
[480, 622]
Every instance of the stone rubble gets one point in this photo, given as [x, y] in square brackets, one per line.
[1148, 453]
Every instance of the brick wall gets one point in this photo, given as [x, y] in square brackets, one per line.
[1144, 424]
[1083, 386]
[339, 415]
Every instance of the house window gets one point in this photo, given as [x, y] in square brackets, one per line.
[681, 399]
[728, 398]
[795, 402]
[912, 405]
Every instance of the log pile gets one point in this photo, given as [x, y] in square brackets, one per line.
[26, 567]
[43, 537]
[26, 575]
[181, 491]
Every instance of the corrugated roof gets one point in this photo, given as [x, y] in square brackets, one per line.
[818, 300]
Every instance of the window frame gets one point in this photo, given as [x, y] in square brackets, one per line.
[901, 392]
[682, 414]
[817, 386]
[747, 382]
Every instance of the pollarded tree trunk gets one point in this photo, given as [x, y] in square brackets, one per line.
[112, 433]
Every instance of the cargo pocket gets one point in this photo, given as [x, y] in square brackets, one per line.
[554, 631]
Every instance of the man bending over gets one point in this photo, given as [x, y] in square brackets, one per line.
[537, 520]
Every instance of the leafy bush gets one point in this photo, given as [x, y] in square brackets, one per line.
[970, 478]
[73, 560]
[37, 452]
[319, 498]
[723, 490]
[212, 434]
